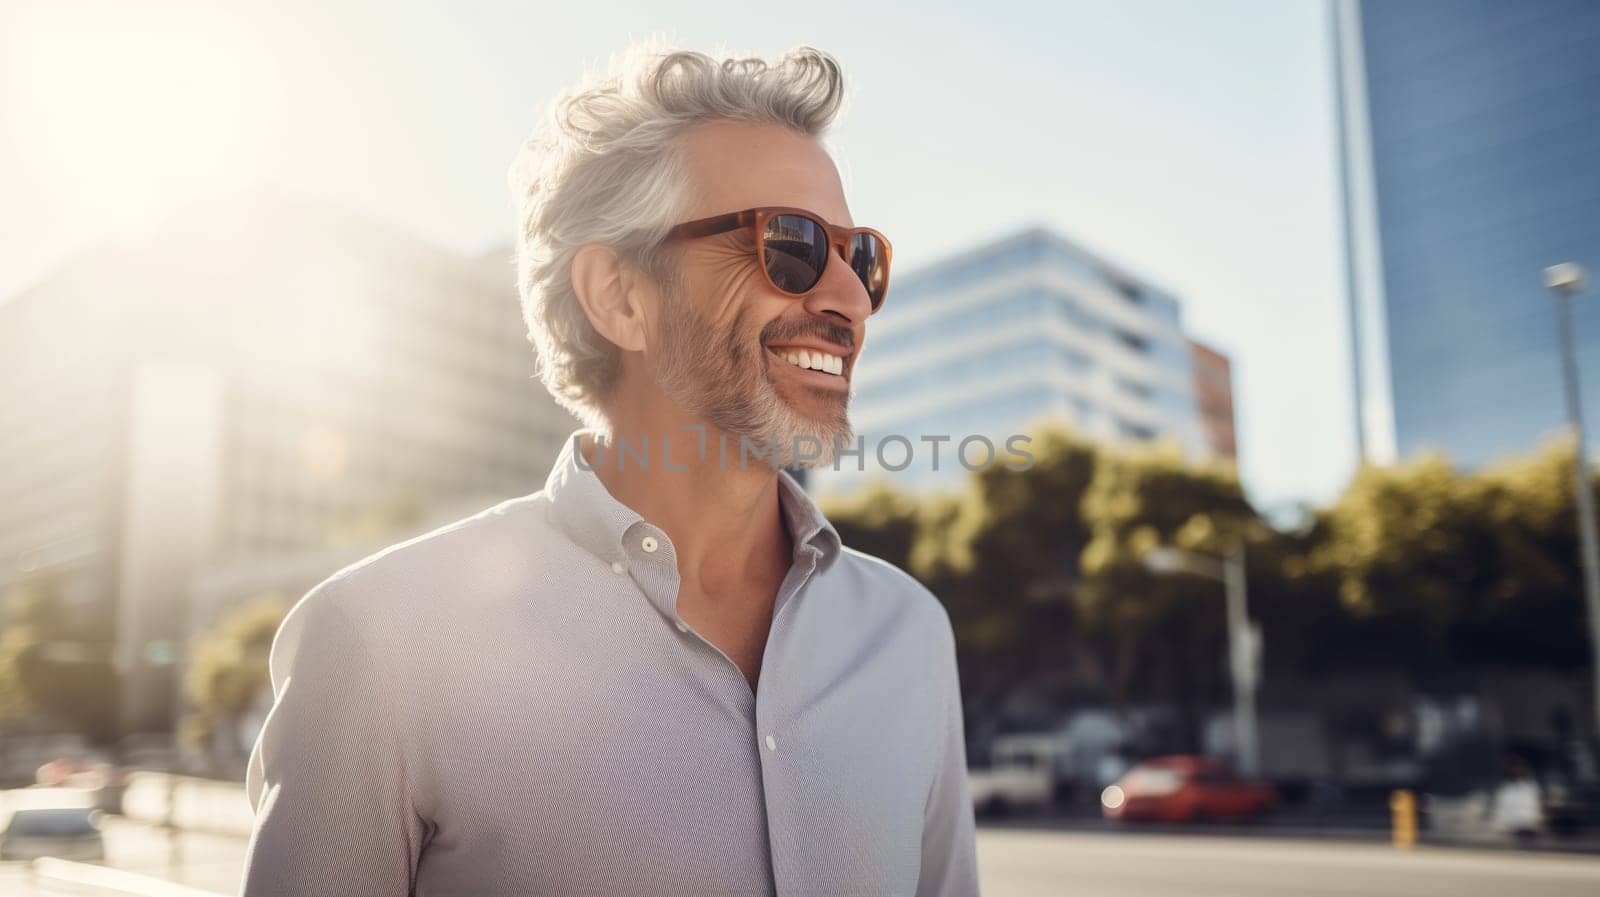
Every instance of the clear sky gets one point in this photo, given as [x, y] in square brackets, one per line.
[1191, 142]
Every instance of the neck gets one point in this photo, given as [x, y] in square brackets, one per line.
[723, 517]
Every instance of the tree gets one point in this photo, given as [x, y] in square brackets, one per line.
[54, 666]
[1466, 568]
[1531, 611]
[15, 641]
[879, 520]
[1162, 636]
[228, 671]
[1004, 554]
[1417, 568]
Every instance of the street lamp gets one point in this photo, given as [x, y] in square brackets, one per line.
[1565, 281]
[1244, 638]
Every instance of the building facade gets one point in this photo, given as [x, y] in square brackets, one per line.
[260, 380]
[1469, 142]
[1213, 390]
[992, 342]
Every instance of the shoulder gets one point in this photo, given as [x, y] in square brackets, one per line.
[386, 597]
[881, 582]
[499, 529]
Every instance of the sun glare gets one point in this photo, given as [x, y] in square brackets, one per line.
[124, 114]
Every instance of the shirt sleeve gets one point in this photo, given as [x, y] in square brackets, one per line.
[329, 776]
[949, 846]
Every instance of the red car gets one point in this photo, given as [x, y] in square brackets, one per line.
[1183, 789]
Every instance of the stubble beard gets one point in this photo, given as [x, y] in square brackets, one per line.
[724, 378]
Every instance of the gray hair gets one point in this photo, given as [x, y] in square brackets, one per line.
[606, 166]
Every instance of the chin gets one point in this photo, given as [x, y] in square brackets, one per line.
[830, 434]
[786, 416]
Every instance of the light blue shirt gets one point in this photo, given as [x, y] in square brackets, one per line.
[511, 705]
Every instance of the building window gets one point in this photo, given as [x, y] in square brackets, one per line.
[1133, 341]
[1134, 388]
[1132, 430]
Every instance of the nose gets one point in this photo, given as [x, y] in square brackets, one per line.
[840, 294]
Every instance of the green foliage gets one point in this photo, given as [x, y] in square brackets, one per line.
[54, 666]
[1482, 567]
[879, 520]
[1158, 634]
[228, 667]
[14, 644]
[1401, 539]
[1027, 526]
[1416, 567]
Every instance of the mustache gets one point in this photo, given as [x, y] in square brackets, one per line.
[779, 329]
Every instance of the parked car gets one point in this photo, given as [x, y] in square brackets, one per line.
[1572, 808]
[1009, 786]
[1185, 788]
[1084, 754]
[1458, 816]
[71, 833]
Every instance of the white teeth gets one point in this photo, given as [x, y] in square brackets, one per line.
[815, 361]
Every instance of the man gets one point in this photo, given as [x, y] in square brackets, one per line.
[662, 674]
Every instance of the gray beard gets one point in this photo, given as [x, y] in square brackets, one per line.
[727, 383]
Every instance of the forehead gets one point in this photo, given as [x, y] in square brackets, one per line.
[741, 165]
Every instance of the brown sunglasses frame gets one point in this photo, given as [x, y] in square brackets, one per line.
[756, 220]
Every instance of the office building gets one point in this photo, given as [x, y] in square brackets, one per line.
[1213, 390]
[993, 341]
[258, 380]
[1469, 145]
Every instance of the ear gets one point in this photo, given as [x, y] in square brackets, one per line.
[607, 289]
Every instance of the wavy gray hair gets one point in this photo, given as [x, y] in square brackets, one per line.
[606, 166]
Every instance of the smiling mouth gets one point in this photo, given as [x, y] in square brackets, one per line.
[812, 360]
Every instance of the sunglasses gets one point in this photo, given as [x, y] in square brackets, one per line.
[794, 245]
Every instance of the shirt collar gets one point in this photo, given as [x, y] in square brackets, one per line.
[588, 513]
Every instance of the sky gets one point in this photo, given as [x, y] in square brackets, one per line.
[1192, 143]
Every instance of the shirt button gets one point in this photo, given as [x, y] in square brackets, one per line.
[648, 543]
[772, 743]
[682, 626]
[616, 567]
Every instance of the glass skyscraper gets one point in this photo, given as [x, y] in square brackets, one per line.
[1470, 138]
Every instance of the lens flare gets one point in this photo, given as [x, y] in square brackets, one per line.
[124, 113]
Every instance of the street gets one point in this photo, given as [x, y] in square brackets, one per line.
[1038, 863]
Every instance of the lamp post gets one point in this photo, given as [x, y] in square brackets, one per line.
[1565, 281]
[1244, 639]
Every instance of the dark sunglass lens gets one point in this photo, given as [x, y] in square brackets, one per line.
[797, 251]
[871, 265]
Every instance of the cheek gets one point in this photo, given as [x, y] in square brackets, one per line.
[742, 341]
[726, 286]
[733, 305]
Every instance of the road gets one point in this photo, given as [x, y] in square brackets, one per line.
[1039, 863]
